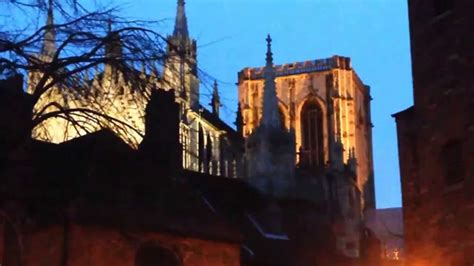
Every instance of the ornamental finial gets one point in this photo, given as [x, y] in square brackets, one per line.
[269, 51]
[269, 40]
[270, 116]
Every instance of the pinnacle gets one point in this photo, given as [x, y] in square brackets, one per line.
[181, 24]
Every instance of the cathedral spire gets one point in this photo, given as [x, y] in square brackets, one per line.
[269, 58]
[113, 51]
[181, 24]
[113, 44]
[215, 100]
[270, 116]
[49, 42]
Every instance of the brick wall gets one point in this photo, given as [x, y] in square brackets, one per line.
[435, 136]
[104, 246]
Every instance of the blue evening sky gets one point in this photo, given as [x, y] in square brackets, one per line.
[374, 33]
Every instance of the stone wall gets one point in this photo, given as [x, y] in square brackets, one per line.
[91, 245]
[333, 85]
[435, 136]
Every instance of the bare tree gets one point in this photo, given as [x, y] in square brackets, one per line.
[78, 65]
[70, 58]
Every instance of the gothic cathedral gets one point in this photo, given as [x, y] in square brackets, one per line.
[209, 145]
[304, 129]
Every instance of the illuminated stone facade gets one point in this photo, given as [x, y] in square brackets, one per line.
[320, 101]
[209, 145]
[308, 136]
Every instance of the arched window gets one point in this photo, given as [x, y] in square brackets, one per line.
[153, 255]
[209, 148]
[255, 105]
[312, 153]
[201, 153]
[208, 158]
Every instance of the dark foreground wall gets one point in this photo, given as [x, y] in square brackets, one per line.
[435, 136]
[101, 246]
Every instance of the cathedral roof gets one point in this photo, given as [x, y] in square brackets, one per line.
[218, 123]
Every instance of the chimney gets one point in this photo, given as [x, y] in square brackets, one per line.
[161, 146]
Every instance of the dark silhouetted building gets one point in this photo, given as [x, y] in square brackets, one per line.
[436, 136]
[94, 200]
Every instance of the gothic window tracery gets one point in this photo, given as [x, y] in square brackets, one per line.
[312, 135]
[201, 154]
[246, 98]
[255, 104]
[208, 158]
[183, 138]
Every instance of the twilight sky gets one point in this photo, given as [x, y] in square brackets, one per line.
[374, 33]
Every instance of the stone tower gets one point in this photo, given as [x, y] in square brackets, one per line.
[208, 144]
[326, 104]
[326, 109]
[49, 44]
[269, 150]
[182, 59]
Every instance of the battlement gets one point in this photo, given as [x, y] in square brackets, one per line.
[298, 67]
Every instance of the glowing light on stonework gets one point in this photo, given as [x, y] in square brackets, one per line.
[396, 254]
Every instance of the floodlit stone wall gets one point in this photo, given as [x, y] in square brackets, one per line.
[331, 83]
